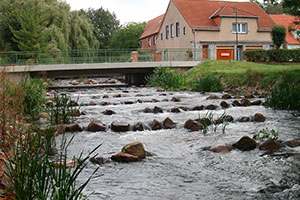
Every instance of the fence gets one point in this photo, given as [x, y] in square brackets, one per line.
[98, 56]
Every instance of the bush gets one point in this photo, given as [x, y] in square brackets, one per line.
[34, 96]
[166, 78]
[207, 83]
[286, 94]
[278, 34]
[274, 55]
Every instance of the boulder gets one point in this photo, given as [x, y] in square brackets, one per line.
[245, 144]
[249, 96]
[227, 118]
[175, 110]
[244, 119]
[73, 128]
[269, 145]
[224, 105]
[211, 107]
[84, 112]
[258, 117]
[140, 127]
[175, 99]
[117, 96]
[256, 103]
[155, 100]
[92, 103]
[49, 103]
[105, 96]
[129, 102]
[147, 110]
[157, 110]
[221, 149]
[236, 103]
[60, 129]
[213, 96]
[245, 102]
[100, 160]
[105, 103]
[160, 90]
[185, 108]
[74, 82]
[96, 126]
[108, 112]
[155, 125]
[198, 108]
[136, 149]
[294, 143]
[226, 96]
[120, 127]
[193, 125]
[124, 157]
[168, 124]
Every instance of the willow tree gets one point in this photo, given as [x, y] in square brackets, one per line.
[60, 28]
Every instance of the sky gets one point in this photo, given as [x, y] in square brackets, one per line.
[126, 10]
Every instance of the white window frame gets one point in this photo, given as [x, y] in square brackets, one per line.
[167, 32]
[172, 31]
[177, 29]
[154, 40]
[149, 41]
[239, 27]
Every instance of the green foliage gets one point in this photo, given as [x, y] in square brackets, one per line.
[285, 95]
[105, 23]
[208, 121]
[278, 55]
[166, 78]
[266, 134]
[292, 7]
[62, 111]
[44, 24]
[34, 98]
[278, 34]
[128, 36]
[33, 175]
[207, 83]
[32, 34]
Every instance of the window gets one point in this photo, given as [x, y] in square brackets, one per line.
[141, 44]
[172, 30]
[183, 30]
[239, 27]
[177, 29]
[149, 41]
[167, 32]
[154, 40]
[161, 36]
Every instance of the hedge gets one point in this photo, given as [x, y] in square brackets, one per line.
[274, 55]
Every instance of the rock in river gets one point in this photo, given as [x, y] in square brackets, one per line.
[245, 144]
[168, 124]
[120, 127]
[155, 125]
[258, 117]
[221, 149]
[96, 126]
[269, 145]
[136, 149]
[193, 125]
[124, 157]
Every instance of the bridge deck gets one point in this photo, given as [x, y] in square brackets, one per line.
[102, 66]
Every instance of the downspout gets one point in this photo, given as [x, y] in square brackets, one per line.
[194, 44]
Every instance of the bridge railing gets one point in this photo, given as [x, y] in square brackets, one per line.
[99, 56]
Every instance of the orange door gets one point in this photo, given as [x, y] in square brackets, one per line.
[225, 54]
[204, 51]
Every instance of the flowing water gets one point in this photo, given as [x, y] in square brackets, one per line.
[179, 167]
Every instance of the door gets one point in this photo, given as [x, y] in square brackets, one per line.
[225, 53]
[205, 51]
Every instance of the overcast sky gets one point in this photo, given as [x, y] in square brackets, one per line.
[126, 10]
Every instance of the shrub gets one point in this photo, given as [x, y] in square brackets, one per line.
[266, 134]
[34, 96]
[207, 83]
[166, 78]
[274, 55]
[278, 34]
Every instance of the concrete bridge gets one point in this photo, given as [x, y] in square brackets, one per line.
[133, 71]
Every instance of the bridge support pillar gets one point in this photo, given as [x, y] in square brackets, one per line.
[134, 56]
[135, 79]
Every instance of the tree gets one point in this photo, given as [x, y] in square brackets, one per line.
[278, 34]
[105, 24]
[292, 7]
[31, 35]
[128, 36]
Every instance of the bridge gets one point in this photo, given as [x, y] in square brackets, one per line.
[133, 71]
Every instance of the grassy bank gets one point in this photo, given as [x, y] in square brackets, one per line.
[279, 81]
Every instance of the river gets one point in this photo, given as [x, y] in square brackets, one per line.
[179, 167]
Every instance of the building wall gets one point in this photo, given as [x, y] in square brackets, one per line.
[145, 42]
[293, 46]
[225, 33]
[182, 41]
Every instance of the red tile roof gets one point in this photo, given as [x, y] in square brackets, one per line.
[199, 14]
[153, 26]
[288, 22]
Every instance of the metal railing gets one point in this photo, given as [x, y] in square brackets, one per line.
[99, 56]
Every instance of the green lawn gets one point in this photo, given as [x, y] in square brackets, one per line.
[237, 73]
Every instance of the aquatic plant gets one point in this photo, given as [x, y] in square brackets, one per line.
[208, 121]
[62, 111]
[166, 78]
[266, 134]
[207, 83]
